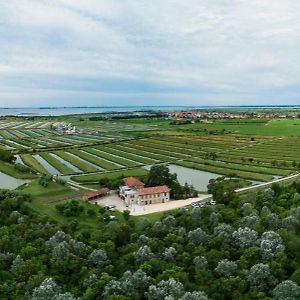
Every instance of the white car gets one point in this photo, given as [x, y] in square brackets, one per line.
[213, 202]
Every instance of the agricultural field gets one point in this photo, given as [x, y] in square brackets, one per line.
[256, 150]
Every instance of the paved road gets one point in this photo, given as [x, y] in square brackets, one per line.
[248, 188]
[170, 205]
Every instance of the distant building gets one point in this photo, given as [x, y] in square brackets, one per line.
[63, 128]
[93, 195]
[135, 192]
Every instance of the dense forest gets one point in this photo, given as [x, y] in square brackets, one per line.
[245, 247]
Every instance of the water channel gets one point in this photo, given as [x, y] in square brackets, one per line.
[8, 182]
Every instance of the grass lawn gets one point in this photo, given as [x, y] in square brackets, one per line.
[44, 201]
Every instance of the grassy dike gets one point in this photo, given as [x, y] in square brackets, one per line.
[62, 168]
[31, 162]
[90, 178]
[10, 170]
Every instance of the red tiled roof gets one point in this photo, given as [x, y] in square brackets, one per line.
[93, 194]
[132, 181]
[153, 190]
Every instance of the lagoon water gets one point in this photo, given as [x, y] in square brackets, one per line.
[199, 179]
[8, 182]
[59, 111]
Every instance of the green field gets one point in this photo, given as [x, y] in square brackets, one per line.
[255, 149]
[119, 174]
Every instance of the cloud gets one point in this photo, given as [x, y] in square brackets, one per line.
[194, 52]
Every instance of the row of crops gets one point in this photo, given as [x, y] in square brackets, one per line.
[107, 150]
[229, 158]
[24, 125]
[25, 139]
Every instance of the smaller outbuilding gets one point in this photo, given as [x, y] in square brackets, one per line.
[93, 195]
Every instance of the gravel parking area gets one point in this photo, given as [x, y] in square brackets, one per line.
[112, 199]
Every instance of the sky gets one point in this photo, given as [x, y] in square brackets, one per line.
[158, 52]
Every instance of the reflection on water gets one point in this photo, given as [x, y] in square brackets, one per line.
[199, 179]
[8, 182]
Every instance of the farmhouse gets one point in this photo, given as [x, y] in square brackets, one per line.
[133, 183]
[93, 195]
[135, 192]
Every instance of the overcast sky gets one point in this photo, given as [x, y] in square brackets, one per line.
[158, 52]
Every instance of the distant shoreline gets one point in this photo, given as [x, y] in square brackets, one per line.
[155, 106]
[81, 110]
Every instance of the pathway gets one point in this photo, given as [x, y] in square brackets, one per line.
[248, 188]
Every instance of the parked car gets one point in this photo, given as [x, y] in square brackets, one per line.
[110, 207]
[198, 204]
[213, 202]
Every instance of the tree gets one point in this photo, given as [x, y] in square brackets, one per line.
[226, 268]
[200, 263]
[244, 237]
[60, 251]
[287, 290]
[70, 209]
[160, 175]
[143, 254]
[48, 290]
[260, 277]
[128, 285]
[169, 289]
[250, 221]
[271, 221]
[276, 188]
[7, 156]
[246, 209]
[290, 221]
[45, 180]
[169, 223]
[194, 296]
[223, 189]
[16, 264]
[198, 236]
[63, 242]
[270, 244]
[169, 254]
[126, 215]
[98, 258]
[224, 233]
